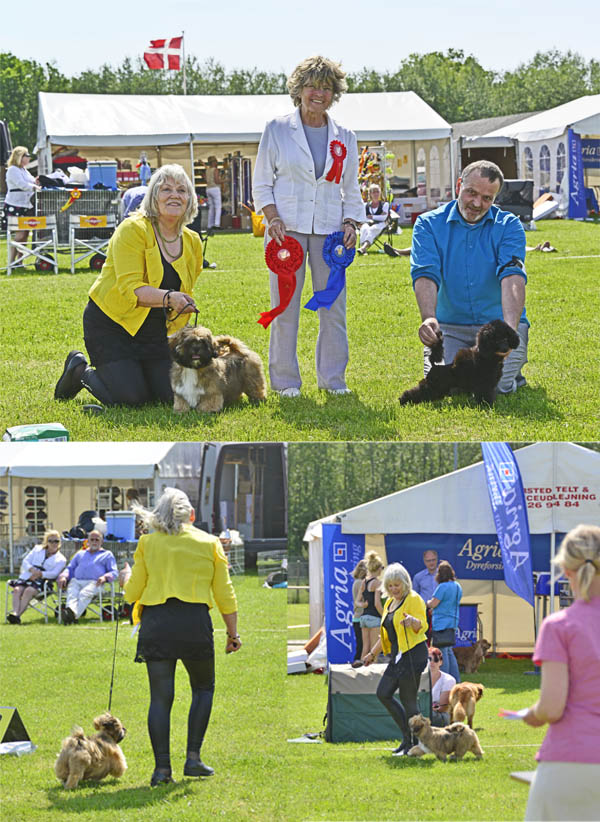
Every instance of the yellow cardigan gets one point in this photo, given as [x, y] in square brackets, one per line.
[134, 260]
[190, 566]
[414, 606]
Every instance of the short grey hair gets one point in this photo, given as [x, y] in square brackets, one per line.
[171, 513]
[173, 171]
[486, 169]
[395, 572]
[317, 71]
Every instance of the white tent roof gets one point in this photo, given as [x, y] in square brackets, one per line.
[119, 119]
[582, 115]
[100, 460]
[458, 502]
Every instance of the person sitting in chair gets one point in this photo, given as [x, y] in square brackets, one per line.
[377, 215]
[88, 570]
[41, 565]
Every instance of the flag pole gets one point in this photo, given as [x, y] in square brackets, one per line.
[183, 51]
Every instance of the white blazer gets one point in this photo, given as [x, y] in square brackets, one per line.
[284, 175]
[52, 565]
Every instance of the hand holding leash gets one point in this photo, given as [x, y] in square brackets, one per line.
[429, 331]
[234, 643]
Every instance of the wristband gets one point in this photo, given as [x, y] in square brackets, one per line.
[237, 636]
[275, 220]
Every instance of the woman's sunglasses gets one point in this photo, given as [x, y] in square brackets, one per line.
[436, 658]
[53, 540]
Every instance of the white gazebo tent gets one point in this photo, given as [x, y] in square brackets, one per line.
[171, 127]
[71, 471]
[458, 503]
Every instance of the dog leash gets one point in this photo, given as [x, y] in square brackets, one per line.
[112, 677]
[179, 313]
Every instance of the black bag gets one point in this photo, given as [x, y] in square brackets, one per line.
[444, 639]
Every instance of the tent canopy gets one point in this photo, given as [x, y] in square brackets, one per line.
[582, 115]
[154, 120]
[100, 460]
[458, 502]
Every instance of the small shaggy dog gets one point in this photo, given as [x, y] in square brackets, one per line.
[92, 757]
[454, 740]
[462, 701]
[209, 372]
[475, 370]
[470, 657]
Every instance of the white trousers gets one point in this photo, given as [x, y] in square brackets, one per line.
[80, 593]
[564, 791]
[213, 195]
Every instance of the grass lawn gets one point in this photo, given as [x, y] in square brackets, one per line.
[42, 322]
[58, 676]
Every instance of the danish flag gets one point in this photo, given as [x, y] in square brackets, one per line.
[164, 54]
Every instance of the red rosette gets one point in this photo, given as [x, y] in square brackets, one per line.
[283, 260]
[338, 152]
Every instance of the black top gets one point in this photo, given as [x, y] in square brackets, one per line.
[388, 624]
[369, 597]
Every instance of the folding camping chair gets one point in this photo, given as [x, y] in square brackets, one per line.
[103, 605]
[95, 246]
[39, 244]
[45, 603]
[387, 235]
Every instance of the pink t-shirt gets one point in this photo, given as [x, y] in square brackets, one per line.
[572, 636]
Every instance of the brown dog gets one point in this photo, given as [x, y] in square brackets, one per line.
[470, 657]
[454, 740]
[209, 372]
[462, 701]
[92, 757]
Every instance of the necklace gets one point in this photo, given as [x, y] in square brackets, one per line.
[165, 241]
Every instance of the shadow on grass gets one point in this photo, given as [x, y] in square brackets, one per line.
[96, 797]
[532, 403]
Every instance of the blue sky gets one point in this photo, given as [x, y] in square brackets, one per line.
[275, 34]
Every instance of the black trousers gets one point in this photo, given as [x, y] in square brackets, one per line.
[358, 638]
[130, 382]
[403, 676]
[161, 675]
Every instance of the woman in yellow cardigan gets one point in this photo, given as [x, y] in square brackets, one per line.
[178, 573]
[143, 293]
[403, 634]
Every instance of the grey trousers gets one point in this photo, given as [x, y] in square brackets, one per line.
[332, 342]
[463, 336]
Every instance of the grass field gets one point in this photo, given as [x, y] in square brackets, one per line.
[42, 322]
[58, 676]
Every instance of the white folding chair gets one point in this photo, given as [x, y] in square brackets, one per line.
[95, 246]
[45, 603]
[39, 249]
[105, 597]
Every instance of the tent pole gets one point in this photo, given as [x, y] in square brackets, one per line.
[552, 569]
[494, 603]
[10, 526]
[193, 174]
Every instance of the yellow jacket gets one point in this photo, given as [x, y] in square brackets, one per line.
[190, 566]
[414, 606]
[134, 260]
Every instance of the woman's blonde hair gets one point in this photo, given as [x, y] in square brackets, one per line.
[395, 572]
[173, 171]
[171, 513]
[16, 156]
[48, 534]
[374, 563]
[317, 71]
[580, 552]
[360, 570]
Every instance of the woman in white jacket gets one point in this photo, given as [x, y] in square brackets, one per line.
[306, 185]
[42, 564]
[20, 187]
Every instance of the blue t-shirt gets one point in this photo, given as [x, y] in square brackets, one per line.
[468, 261]
[446, 613]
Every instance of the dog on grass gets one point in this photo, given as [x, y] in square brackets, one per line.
[475, 370]
[209, 372]
[92, 757]
[454, 740]
[470, 657]
[462, 701]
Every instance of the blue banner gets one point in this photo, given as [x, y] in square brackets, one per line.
[341, 552]
[466, 633]
[577, 208]
[510, 516]
[590, 152]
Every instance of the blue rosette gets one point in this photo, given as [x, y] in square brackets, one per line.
[338, 258]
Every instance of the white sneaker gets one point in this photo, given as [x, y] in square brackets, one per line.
[289, 392]
[337, 391]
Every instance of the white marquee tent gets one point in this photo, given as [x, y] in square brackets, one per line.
[73, 469]
[458, 503]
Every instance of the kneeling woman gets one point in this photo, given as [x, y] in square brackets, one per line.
[403, 634]
[142, 293]
[178, 571]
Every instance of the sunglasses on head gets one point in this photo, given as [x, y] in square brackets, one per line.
[436, 657]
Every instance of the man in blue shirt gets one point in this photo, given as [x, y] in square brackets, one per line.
[467, 266]
[424, 581]
[87, 571]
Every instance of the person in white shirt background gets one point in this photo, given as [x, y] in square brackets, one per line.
[441, 685]
[41, 565]
[290, 187]
[20, 185]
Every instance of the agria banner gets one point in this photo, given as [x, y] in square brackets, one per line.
[341, 552]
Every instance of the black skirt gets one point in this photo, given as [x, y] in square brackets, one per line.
[175, 630]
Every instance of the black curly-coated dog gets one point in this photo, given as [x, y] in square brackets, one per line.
[475, 370]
